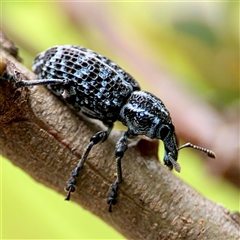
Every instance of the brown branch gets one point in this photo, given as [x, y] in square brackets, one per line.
[38, 133]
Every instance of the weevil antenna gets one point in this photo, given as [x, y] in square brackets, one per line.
[208, 152]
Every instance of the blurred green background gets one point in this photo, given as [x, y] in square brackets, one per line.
[196, 42]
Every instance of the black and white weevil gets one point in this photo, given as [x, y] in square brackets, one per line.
[100, 89]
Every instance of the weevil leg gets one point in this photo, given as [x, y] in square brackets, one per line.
[24, 83]
[95, 139]
[121, 147]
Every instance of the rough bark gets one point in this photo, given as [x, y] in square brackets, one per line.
[38, 133]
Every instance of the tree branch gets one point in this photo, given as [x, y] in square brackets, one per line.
[38, 133]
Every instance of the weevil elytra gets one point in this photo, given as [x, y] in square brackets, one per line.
[100, 89]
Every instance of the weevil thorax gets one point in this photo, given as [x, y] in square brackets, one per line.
[145, 114]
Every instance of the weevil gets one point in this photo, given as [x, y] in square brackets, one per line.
[97, 87]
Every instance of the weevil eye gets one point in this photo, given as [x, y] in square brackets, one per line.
[164, 131]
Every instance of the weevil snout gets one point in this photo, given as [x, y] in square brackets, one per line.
[171, 151]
